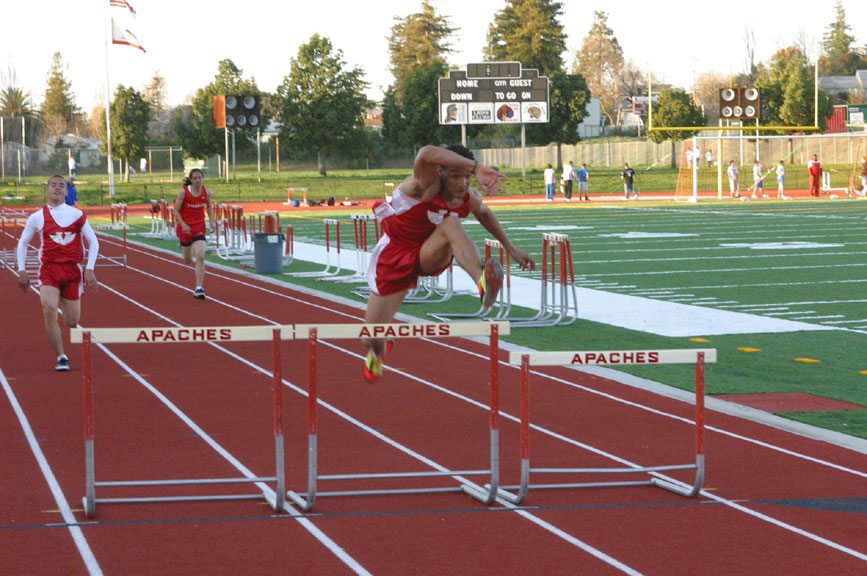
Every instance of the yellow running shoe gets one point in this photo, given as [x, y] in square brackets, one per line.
[491, 282]
[372, 367]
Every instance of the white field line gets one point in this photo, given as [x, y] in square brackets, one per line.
[646, 408]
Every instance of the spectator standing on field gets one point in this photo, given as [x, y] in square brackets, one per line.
[781, 179]
[758, 177]
[628, 176]
[71, 192]
[568, 178]
[734, 182]
[709, 157]
[583, 181]
[814, 169]
[550, 175]
[73, 170]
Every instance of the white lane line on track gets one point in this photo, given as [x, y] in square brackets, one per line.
[68, 517]
[613, 457]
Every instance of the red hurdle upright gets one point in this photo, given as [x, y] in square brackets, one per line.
[314, 333]
[611, 358]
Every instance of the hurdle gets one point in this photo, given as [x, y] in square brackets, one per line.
[610, 358]
[556, 308]
[361, 227]
[316, 332]
[289, 248]
[87, 337]
[329, 271]
[289, 192]
[504, 298]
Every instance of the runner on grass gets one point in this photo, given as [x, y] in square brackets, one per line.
[422, 233]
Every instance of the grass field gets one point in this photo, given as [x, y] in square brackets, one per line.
[353, 184]
[800, 261]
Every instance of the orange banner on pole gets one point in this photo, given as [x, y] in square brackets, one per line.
[220, 111]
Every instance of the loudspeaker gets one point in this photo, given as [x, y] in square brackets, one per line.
[242, 111]
[739, 103]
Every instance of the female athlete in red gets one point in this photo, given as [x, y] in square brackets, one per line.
[61, 229]
[190, 206]
[422, 233]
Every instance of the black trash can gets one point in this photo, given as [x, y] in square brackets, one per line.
[268, 252]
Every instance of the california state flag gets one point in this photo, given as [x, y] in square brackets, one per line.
[120, 35]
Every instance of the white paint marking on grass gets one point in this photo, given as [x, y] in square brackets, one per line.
[781, 245]
[550, 228]
[642, 235]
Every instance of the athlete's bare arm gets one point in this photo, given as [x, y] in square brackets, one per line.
[179, 203]
[491, 223]
[425, 183]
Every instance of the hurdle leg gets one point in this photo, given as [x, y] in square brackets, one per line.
[518, 497]
[279, 498]
[699, 438]
[89, 499]
[491, 490]
[299, 500]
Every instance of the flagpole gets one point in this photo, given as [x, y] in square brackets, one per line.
[108, 105]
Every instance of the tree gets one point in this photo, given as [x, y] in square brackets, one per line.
[130, 114]
[567, 108]
[675, 108]
[417, 41]
[14, 101]
[838, 58]
[201, 138]
[788, 91]
[529, 32]
[321, 103]
[58, 105]
[707, 87]
[155, 95]
[600, 60]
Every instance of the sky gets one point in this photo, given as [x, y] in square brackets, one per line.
[185, 39]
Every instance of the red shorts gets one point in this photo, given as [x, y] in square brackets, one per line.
[395, 267]
[197, 232]
[65, 276]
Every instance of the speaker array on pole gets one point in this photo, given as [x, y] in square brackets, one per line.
[739, 103]
[242, 111]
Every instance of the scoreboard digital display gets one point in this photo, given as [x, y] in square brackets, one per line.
[493, 93]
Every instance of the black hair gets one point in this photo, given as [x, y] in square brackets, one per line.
[462, 150]
[188, 180]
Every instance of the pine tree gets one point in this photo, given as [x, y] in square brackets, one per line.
[529, 32]
[58, 105]
[417, 41]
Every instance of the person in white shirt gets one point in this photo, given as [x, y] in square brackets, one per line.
[61, 229]
[758, 178]
[689, 157]
[549, 183]
[781, 179]
[734, 184]
[709, 157]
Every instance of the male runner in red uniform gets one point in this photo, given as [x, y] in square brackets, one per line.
[61, 229]
[422, 233]
[190, 206]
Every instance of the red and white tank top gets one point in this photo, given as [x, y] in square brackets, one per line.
[61, 243]
[410, 221]
[193, 210]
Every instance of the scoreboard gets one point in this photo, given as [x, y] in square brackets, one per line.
[493, 93]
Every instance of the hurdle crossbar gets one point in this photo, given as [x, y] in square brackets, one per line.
[328, 271]
[208, 334]
[315, 332]
[613, 358]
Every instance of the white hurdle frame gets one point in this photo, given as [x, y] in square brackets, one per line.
[316, 332]
[89, 336]
[610, 358]
[328, 272]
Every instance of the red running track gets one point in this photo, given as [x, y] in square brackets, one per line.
[774, 502]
